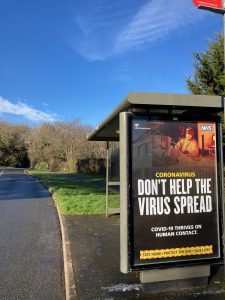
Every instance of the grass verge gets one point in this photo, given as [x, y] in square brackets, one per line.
[75, 196]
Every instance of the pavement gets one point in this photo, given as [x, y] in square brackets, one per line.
[94, 246]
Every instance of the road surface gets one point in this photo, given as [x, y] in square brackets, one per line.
[31, 265]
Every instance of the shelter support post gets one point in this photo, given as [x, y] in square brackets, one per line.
[221, 141]
[107, 180]
[109, 211]
[222, 172]
[123, 193]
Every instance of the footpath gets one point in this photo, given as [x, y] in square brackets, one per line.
[94, 245]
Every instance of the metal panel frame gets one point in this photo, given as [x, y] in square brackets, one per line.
[123, 192]
[222, 192]
[109, 211]
[124, 200]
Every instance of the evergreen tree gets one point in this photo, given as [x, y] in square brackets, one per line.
[209, 74]
[208, 77]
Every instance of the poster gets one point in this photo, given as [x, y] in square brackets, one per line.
[174, 193]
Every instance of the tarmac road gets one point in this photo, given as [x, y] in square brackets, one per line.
[31, 265]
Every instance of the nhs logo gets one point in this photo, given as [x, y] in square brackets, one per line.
[206, 128]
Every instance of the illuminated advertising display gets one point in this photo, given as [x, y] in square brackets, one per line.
[173, 201]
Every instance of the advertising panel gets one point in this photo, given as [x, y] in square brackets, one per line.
[174, 192]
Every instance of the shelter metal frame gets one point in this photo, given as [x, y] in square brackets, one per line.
[113, 128]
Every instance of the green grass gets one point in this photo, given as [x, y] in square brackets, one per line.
[76, 196]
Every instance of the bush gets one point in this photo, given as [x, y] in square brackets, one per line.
[42, 166]
[92, 166]
[71, 166]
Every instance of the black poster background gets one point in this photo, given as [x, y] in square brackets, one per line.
[150, 156]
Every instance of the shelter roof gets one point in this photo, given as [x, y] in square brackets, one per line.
[154, 103]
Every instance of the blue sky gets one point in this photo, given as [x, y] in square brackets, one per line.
[68, 59]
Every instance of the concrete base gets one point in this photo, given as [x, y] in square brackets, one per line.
[175, 278]
[174, 273]
[175, 285]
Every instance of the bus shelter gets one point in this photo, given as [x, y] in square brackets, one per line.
[171, 184]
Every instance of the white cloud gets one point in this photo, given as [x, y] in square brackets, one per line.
[26, 111]
[97, 24]
[156, 20]
[105, 30]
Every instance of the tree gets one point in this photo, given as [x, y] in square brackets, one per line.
[209, 74]
[13, 145]
[208, 77]
[59, 146]
[45, 146]
[75, 145]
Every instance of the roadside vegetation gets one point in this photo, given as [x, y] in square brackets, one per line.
[55, 152]
[77, 196]
[208, 77]
[13, 145]
[59, 146]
